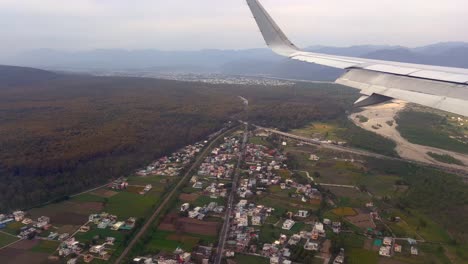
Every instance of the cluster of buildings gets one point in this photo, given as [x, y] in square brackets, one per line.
[201, 212]
[105, 220]
[171, 165]
[30, 227]
[389, 247]
[220, 163]
[100, 247]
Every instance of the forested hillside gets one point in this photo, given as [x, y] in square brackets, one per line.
[63, 134]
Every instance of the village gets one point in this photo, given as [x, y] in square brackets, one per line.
[275, 216]
[102, 233]
[281, 212]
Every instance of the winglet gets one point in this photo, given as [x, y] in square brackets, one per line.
[273, 35]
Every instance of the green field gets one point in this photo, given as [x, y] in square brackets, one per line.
[88, 197]
[361, 256]
[437, 130]
[6, 239]
[168, 241]
[445, 158]
[344, 130]
[126, 205]
[260, 141]
[13, 228]
[205, 200]
[248, 259]
[45, 246]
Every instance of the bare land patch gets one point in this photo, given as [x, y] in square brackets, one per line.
[185, 197]
[381, 120]
[172, 222]
[104, 193]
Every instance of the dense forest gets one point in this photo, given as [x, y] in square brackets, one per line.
[61, 134]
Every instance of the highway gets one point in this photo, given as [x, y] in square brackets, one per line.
[156, 213]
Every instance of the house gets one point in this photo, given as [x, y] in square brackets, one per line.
[314, 157]
[397, 248]
[336, 226]
[311, 246]
[117, 225]
[184, 207]
[96, 249]
[302, 213]
[110, 240]
[63, 236]
[43, 219]
[385, 251]
[52, 235]
[19, 216]
[387, 241]
[274, 260]
[256, 220]
[288, 224]
[319, 227]
[198, 185]
[27, 221]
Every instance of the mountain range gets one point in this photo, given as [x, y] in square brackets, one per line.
[261, 62]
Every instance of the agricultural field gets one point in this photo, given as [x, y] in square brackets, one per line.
[249, 259]
[67, 216]
[6, 239]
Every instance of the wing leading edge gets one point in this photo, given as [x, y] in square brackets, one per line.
[442, 88]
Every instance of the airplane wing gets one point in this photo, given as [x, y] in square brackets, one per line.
[442, 88]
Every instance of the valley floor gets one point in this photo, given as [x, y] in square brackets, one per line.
[381, 120]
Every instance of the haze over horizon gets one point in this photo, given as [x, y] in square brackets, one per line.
[223, 24]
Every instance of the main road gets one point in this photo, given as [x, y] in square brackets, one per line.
[235, 179]
[361, 152]
[227, 217]
[156, 213]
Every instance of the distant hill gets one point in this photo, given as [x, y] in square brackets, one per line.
[11, 75]
[244, 62]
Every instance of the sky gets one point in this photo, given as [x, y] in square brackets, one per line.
[224, 24]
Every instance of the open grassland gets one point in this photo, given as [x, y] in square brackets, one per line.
[168, 241]
[344, 211]
[361, 256]
[126, 205]
[327, 131]
[438, 131]
[205, 200]
[249, 259]
[445, 158]
[260, 141]
[45, 246]
[13, 228]
[6, 239]
[342, 129]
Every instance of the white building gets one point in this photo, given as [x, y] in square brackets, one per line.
[288, 224]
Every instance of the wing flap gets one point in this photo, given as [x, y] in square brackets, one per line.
[452, 97]
[443, 88]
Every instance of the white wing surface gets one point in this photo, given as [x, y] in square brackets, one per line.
[442, 88]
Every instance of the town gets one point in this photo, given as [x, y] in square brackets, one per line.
[282, 212]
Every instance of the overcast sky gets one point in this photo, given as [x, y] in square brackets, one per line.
[225, 24]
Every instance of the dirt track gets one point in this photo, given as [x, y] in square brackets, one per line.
[379, 115]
